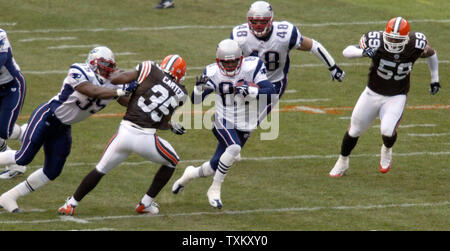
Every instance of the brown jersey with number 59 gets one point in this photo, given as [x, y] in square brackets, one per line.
[389, 73]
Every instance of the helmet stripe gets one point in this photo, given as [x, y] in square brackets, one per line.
[397, 23]
[171, 62]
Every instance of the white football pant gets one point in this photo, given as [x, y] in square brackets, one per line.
[142, 141]
[369, 105]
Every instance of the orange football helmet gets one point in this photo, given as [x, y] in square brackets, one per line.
[396, 35]
[175, 66]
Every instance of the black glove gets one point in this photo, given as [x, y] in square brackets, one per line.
[177, 128]
[336, 73]
[368, 52]
[434, 88]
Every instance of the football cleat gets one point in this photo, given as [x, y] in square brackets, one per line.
[9, 204]
[12, 171]
[385, 159]
[179, 184]
[342, 164]
[165, 4]
[67, 208]
[152, 209]
[214, 196]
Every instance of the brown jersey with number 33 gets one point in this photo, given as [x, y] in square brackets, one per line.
[155, 99]
[389, 73]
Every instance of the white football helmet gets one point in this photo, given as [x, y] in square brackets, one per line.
[229, 57]
[259, 18]
[101, 60]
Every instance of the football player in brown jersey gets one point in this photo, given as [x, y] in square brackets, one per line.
[393, 53]
[150, 108]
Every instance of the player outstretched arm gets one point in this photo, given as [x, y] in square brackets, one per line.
[317, 49]
[99, 92]
[433, 65]
[202, 89]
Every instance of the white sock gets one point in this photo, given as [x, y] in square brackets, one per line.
[8, 157]
[147, 200]
[33, 182]
[72, 201]
[17, 131]
[37, 179]
[226, 160]
[204, 170]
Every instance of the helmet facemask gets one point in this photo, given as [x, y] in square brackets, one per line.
[394, 43]
[396, 35]
[101, 61]
[260, 18]
[229, 57]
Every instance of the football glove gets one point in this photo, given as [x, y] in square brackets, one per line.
[368, 52]
[177, 128]
[336, 73]
[201, 83]
[246, 90]
[131, 87]
[434, 88]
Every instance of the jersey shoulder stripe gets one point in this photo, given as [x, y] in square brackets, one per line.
[144, 69]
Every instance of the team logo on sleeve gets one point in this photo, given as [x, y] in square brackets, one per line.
[75, 75]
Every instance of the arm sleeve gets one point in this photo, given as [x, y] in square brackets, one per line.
[266, 87]
[3, 58]
[433, 65]
[198, 97]
[352, 51]
[322, 53]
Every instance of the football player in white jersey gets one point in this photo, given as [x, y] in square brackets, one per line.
[393, 53]
[273, 40]
[12, 95]
[240, 85]
[85, 91]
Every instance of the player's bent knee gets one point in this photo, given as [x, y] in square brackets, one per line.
[354, 133]
[387, 132]
[234, 149]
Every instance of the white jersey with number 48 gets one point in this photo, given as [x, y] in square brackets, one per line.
[274, 50]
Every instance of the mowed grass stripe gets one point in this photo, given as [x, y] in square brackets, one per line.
[227, 212]
[270, 158]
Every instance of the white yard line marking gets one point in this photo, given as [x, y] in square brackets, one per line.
[8, 24]
[41, 72]
[411, 125]
[227, 212]
[308, 100]
[63, 47]
[265, 158]
[428, 134]
[208, 27]
[95, 229]
[46, 39]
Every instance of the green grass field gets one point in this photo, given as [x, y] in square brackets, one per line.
[281, 184]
